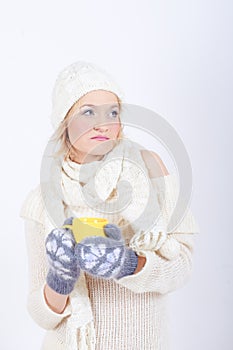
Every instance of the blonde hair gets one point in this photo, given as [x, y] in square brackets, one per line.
[61, 136]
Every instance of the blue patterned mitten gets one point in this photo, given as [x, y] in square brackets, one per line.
[63, 268]
[106, 257]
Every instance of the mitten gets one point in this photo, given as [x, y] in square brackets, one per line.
[106, 257]
[63, 269]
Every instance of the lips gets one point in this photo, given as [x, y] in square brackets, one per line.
[101, 138]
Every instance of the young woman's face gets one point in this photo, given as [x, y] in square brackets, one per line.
[94, 125]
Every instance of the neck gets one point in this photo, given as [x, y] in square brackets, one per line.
[84, 158]
[80, 157]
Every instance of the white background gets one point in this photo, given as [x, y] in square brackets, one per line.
[174, 57]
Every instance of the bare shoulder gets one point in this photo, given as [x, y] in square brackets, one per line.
[154, 164]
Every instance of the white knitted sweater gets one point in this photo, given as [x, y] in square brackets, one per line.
[129, 313]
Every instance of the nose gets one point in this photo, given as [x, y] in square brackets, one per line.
[101, 127]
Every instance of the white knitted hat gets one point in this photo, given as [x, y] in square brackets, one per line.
[75, 81]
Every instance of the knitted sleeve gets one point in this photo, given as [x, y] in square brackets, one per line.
[35, 233]
[169, 267]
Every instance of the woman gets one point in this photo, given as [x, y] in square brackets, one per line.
[104, 292]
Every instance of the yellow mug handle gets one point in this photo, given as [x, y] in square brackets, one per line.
[85, 227]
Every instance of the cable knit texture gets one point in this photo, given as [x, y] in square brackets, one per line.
[126, 313]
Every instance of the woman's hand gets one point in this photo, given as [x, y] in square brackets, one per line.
[63, 268]
[106, 257]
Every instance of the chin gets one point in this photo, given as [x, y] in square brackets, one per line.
[103, 147]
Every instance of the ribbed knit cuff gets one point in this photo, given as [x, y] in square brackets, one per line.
[130, 264]
[59, 285]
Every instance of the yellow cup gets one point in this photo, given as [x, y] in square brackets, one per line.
[85, 227]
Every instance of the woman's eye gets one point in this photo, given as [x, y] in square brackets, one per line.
[91, 112]
[115, 113]
[88, 110]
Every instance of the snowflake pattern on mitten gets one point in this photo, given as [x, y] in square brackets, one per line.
[106, 257]
[63, 269]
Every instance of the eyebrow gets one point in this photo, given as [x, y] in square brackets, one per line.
[90, 105]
